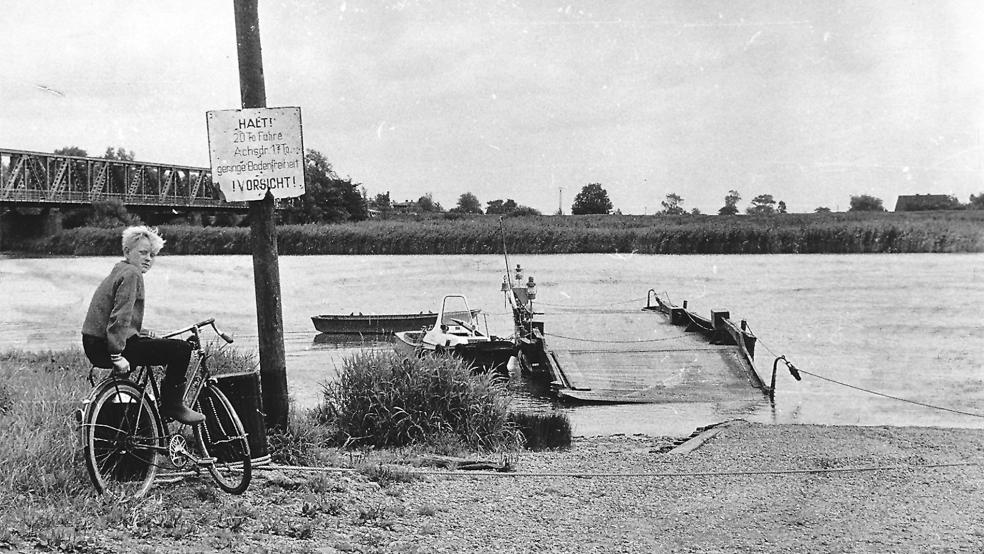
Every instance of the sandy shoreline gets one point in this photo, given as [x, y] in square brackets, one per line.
[749, 488]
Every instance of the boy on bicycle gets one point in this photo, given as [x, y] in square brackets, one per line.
[113, 335]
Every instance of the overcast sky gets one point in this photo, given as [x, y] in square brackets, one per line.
[810, 101]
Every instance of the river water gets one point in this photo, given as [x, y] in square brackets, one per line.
[906, 325]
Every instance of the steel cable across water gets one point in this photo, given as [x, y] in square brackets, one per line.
[862, 389]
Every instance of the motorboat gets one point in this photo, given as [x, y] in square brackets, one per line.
[456, 330]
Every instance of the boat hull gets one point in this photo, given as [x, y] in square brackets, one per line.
[373, 324]
[491, 355]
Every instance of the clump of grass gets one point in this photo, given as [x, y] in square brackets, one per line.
[304, 442]
[384, 399]
[224, 360]
[386, 475]
[543, 430]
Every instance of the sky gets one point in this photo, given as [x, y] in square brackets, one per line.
[811, 101]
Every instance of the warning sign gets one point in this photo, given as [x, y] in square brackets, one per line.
[256, 150]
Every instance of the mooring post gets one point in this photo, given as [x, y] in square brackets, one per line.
[720, 334]
[263, 233]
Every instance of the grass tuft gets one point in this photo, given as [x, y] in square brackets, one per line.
[387, 475]
[305, 442]
[543, 430]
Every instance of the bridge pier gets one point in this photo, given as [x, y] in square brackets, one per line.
[52, 221]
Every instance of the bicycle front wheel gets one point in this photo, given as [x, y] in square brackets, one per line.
[122, 439]
[222, 438]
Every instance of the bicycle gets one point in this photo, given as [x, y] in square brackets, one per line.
[126, 440]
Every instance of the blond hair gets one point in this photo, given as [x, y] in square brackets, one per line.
[132, 234]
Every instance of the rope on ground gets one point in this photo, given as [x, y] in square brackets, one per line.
[794, 368]
[615, 341]
[657, 475]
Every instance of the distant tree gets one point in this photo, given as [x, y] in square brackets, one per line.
[976, 202]
[593, 199]
[110, 214]
[695, 211]
[672, 205]
[354, 201]
[762, 204]
[426, 204]
[730, 203]
[781, 207]
[71, 151]
[468, 204]
[327, 198]
[866, 203]
[522, 210]
[381, 203]
[120, 154]
[822, 210]
[500, 207]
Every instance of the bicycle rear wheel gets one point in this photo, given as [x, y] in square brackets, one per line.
[122, 436]
[223, 438]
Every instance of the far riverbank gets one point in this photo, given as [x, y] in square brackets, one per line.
[832, 233]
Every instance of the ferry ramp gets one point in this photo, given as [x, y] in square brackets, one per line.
[639, 356]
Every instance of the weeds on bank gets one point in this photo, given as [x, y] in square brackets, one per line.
[40, 453]
[47, 500]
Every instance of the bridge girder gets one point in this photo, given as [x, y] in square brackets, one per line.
[42, 179]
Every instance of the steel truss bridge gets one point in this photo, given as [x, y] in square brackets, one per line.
[34, 179]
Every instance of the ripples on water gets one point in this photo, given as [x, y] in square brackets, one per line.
[906, 325]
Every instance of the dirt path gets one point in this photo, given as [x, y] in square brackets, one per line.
[825, 496]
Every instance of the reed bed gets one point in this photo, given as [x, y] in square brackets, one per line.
[836, 233]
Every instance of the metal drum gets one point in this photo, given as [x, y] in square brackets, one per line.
[243, 391]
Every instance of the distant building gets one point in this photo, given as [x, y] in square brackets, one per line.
[405, 207]
[926, 202]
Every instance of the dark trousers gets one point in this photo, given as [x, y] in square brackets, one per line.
[172, 353]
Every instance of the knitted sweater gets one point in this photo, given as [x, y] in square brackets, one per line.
[117, 308]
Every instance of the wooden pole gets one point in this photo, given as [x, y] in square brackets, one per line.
[263, 233]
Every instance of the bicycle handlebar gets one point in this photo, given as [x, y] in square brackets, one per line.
[196, 327]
